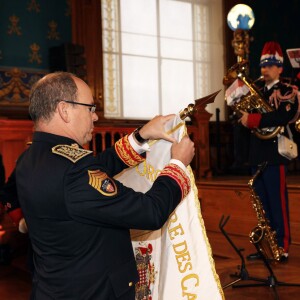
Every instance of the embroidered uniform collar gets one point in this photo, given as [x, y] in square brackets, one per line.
[270, 85]
[52, 139]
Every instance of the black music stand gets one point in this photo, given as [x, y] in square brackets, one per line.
[243, 274]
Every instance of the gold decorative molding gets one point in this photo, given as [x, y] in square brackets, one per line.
[13, 28]
[53, 34]
[34, 56]
[34, 6]
[15, 86]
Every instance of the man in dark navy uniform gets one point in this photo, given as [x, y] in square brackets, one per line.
[271, 184]
[78, 216]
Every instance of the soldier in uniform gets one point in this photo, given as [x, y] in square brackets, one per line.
[78, 216]
[270, 186]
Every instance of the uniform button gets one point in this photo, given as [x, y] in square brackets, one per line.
[130, 283]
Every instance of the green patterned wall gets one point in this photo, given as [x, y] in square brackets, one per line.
[28, 28]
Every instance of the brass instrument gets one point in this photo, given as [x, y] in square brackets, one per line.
[297, 125]
[262, 235]
[254, 100]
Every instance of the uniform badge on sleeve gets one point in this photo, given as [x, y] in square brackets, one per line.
[102, 183]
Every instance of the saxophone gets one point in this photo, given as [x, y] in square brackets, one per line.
[262, 236]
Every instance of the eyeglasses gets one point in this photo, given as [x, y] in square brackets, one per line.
[92, 107]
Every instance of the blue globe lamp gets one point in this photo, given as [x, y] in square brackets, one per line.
[240, 16]
[240, 20]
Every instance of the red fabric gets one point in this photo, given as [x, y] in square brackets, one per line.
[16, 215]
[253, 120]
[271, 48]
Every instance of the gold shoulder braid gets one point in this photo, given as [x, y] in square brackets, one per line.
[73, 152]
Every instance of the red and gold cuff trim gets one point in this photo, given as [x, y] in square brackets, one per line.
[253, 120]
[179, 176]
[126, 153]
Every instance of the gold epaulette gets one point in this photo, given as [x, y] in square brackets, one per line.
[73, 152]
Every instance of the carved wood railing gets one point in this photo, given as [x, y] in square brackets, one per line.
[15, 134]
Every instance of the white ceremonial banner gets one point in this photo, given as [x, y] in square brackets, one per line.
[174, 262]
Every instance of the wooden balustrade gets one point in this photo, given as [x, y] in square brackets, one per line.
[15, 134]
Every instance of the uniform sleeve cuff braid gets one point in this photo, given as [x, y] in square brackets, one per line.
[176, 173]
[127, 153]
[253, 120]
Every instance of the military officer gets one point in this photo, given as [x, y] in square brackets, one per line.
[271, 185]
[78, 216]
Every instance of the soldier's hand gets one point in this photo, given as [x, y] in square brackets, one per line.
[154, 129]
[184, 150]
[23, 226]
[244, 118]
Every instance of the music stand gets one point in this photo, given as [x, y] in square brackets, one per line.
[270, 281]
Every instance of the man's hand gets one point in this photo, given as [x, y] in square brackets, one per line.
[154, 129]
[183, 151]
[23, 226]
[244, 118]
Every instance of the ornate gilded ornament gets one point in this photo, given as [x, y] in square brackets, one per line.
[15, 90]
[34, 56]
[15, 86]
[34, 6]
[52, 33]
[13, 28]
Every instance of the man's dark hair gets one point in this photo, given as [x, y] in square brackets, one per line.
[48, 91]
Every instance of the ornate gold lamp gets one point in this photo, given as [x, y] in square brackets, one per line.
[240, 19]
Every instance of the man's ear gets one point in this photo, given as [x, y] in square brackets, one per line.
[63, 110]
